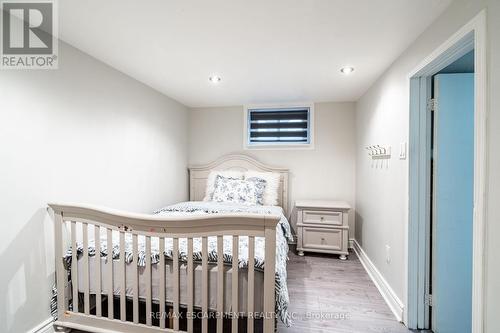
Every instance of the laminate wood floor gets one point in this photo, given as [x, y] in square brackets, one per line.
[330, 295]
[334, 296]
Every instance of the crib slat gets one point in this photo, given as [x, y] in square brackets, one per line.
[175, 254]
[251, 282]
[123, 286]
[147, 276]
[220, 283]
[109, 266]
[234, 285]
[269, 279]
[86, 284]
[162, 282]
[74, 266]
[97, 275]
[190, 286]
[135, 280]
[204, 287]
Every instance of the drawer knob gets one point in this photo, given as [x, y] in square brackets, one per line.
[322, 218]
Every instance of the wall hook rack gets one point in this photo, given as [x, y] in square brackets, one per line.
[379, 151]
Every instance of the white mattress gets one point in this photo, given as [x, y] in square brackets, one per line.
[212, 283]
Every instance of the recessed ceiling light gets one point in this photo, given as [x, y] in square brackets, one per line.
[215, 79]
[347, 70]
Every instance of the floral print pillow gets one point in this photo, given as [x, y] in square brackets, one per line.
[249, 191]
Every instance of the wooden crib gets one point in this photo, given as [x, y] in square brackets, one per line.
[235, 225]
[86, 311]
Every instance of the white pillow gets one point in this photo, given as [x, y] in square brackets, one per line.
[212, 177]
[247, 192]
[272, 185]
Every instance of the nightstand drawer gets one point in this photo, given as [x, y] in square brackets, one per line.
[323, 239]
[321, 217]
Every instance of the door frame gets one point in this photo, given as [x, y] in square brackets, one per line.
[472, 36]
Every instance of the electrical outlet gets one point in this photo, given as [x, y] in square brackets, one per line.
[388, 254]
[402, 151]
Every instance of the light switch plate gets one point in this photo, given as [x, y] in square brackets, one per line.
[402, 151]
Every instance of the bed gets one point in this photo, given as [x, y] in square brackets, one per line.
[209, 262]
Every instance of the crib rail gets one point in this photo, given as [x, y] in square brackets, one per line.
[69, 218]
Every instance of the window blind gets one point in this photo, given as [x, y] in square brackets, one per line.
[274, 126]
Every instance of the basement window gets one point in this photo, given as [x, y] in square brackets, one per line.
[279, 127]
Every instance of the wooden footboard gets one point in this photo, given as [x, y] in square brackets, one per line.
[68, 218]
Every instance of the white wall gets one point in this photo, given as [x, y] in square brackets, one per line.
[382, 117]
[493, 197]
[322, 173]
[83, 133]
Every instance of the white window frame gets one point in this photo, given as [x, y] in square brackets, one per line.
[283, 145]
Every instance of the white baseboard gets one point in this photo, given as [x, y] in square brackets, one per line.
[351, 243]
[394, 303]
[44, 327]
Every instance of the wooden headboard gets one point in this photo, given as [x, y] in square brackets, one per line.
[198, 175]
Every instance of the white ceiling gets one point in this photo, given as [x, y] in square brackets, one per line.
[265, 51]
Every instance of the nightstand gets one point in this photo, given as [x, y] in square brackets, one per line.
[322, 226]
